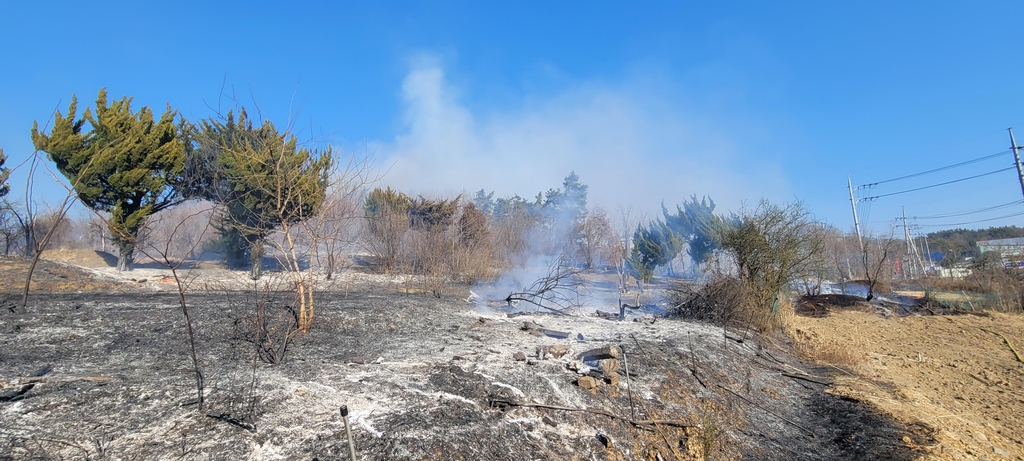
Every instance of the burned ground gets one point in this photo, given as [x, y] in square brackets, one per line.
[423, 378]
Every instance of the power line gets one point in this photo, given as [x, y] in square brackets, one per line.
[937, 185]
[973, 222]
[964, 213]
[936, 170]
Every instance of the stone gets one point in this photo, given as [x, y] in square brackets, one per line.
[549, 421]
[608, 365]
[556, 351]
[587, 382]
[519, 356]
[606, 352]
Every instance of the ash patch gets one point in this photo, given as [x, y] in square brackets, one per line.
[417, 374]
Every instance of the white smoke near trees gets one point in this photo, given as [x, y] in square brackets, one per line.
[629, 143]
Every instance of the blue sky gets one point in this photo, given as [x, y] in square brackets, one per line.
[739, 101]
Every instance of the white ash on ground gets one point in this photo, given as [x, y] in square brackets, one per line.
[423, 378]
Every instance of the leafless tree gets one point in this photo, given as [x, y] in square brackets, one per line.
[182, 227]
[598, 242]
[625, 223]
[876, 258]
[820, 267]
[336, 228]
[510, 233]
[181, 271]
[10, 227]
[346, 180]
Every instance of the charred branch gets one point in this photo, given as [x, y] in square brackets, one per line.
[557, 291]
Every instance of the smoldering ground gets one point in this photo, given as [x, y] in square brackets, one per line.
[423, 378]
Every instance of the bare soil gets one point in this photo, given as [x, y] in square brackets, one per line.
[953, 374]
[98, 368]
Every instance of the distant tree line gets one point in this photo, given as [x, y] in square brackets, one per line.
[955, 245]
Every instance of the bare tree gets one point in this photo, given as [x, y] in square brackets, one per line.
[162, 253]
[28, 225]
[874, 255]
[625, 223]
[511, 229]
[598, 243]
[387, 220]
[10, 226]
[296, 227]
[336, 230]
[820, 267]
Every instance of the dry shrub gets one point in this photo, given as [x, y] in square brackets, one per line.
[948, 284]
[786, 313]
[992, 286]
[428, 258]
[272, 322]
[511, 233]
[446, 243]
[729, 302]
[473, 252]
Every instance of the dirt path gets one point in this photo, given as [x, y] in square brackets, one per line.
[951, 373]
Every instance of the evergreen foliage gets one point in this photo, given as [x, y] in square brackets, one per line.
[4, 174]
[127, 164]
[957, 244]
[654, 245]
[260, 176]
[696, 222]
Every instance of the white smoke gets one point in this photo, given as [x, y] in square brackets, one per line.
[629, 143]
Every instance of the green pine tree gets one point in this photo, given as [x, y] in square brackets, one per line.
[4, 174]
[261, 176]
[127, 164]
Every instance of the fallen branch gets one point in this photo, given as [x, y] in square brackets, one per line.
[693, 358]
[807, 378]
[558, 291]
[635, 422]
[225, 417]
[1007, 341]
[16, 394]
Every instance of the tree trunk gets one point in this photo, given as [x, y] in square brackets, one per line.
[256, 260]
[126, 251]
[30, 244]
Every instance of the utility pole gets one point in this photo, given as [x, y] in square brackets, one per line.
[906, 238]
[853, 205]
[906, 230]
[929, 250]
[1016, 159]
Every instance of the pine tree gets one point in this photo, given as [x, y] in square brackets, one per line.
[4, 174]
[696, 222]
[127, 164]
[262, 178]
